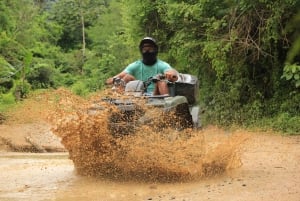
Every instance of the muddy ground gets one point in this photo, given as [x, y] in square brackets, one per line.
[35, 165]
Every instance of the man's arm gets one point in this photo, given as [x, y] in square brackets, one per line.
[123, 75]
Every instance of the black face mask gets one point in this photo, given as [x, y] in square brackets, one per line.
[149, 58]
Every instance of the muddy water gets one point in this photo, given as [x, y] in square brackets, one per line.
[149, 153]
[53, 177]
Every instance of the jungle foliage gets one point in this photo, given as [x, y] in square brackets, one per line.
[246, 53]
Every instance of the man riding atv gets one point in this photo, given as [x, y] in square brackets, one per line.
[174, 93]
[148, 67]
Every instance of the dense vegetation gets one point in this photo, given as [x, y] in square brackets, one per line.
[245, 53]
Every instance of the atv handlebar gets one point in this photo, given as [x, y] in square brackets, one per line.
[156, 78]
[161, 77]
[118, 82]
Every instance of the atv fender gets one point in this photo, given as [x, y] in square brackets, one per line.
[171, 102]
[195, 110]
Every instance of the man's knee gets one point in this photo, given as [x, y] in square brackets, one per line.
[161, 88]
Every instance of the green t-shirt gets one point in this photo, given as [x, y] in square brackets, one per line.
[143, 72]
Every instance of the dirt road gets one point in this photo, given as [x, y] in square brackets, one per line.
[269, 171]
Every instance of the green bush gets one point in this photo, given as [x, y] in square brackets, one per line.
[6, 101]
[79, 88]
[21, 89]
[42, 77]
[283, 122]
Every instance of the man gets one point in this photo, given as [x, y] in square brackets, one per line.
[147, 67]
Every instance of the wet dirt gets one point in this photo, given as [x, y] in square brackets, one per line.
[269, 171]
[212, 164]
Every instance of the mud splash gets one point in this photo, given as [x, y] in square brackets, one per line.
[146, 155]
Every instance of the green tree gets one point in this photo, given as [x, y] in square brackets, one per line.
[28, 40]
[237, 48]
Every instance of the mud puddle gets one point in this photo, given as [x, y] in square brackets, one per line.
[27, 176]
[42, 177]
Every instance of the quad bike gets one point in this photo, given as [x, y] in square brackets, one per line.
[178, 110]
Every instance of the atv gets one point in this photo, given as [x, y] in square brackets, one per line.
[178, 110]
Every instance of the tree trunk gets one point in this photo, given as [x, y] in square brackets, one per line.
[83, 41]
